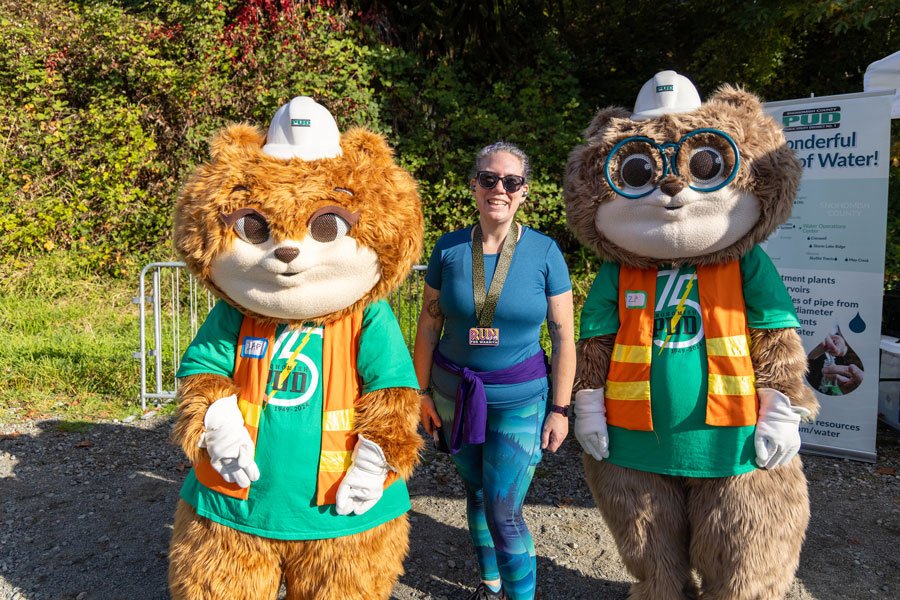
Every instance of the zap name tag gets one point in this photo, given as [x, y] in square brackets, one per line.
[253, 347]
[635, 299]
[484, 336]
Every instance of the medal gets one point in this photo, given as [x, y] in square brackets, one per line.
[486, 302]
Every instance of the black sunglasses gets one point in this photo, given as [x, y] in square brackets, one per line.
[488, 179]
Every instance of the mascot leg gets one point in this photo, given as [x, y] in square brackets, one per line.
[208, 561]
[747, 530]
[647, 517]
[363, 566]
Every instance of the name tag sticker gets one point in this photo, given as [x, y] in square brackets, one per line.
[484, 336]
[635, 299]
[254, 347]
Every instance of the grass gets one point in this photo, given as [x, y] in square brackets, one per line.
[67, 336]
[66, 343]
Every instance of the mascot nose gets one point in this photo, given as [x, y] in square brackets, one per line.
[671, 187]
[286, 254]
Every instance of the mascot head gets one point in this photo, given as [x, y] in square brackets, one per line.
[302, 223]
[678, 180]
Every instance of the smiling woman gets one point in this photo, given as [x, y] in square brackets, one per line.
[488, 290]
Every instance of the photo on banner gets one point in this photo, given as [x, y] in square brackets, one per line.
[830, 255]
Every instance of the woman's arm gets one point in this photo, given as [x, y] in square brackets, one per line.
[428, 334]
[561, 327]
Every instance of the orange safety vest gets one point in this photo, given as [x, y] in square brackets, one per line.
[340, 383]
[731, 399]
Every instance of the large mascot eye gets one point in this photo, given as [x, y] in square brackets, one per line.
[637, 170]
[328, 227]
[707, 166]
[252, 228]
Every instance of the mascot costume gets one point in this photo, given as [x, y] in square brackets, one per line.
[298, 399]
[690, 373]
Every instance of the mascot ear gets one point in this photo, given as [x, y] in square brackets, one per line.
[237, 138]
[738, 98]
[362, 145]
[602, 119]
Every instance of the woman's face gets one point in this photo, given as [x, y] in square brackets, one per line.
[497, 205]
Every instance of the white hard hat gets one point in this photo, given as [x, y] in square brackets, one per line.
[303, 129]
[666, 92]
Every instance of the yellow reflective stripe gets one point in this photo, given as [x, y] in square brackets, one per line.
[632, 354]
[338, 420]
[735, 345]
[335, 461]
[732, 385]
[627, 390]
[250, 412]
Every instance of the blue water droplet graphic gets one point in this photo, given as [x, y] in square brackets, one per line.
[857, 325]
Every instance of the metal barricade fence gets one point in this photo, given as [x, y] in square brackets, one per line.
[177, 307]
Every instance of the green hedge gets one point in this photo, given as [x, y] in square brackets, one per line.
[105, 107]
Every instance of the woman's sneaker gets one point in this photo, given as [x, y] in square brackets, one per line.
[483, 592]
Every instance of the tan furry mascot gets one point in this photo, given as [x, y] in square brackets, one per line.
[690, 375]
[298, 398]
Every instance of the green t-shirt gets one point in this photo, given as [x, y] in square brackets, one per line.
[681, 442]
[282, 503]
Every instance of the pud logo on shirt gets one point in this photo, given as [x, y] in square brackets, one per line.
[253, 347]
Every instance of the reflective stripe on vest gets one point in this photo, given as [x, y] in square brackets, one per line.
[731, 398]
[340, 383]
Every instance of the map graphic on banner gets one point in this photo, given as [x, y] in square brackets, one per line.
[830, 255]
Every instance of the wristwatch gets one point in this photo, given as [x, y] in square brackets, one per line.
[424, 391]
[563, 410]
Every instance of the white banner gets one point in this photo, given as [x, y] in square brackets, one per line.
[831, 257]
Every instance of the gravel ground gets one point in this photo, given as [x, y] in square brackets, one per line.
[88, 516]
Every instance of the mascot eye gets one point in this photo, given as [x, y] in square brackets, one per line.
[637, 170]
[328, 227]
[706, 165]
[252, 228]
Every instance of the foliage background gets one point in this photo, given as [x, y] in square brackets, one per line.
[105, 106]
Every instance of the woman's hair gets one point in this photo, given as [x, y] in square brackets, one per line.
[502, 146]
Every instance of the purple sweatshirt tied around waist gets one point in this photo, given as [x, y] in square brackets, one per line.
[470, 413]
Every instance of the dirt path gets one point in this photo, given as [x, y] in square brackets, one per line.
[88, 516]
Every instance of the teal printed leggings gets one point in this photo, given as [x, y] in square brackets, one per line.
[497, 475]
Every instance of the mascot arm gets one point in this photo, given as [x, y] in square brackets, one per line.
[593, 355]
[197, 392]
[779, 362]
[390, 418]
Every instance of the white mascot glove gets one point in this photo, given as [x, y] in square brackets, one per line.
[228, 442]
[363, 484]
[777, 437]
[590, 423]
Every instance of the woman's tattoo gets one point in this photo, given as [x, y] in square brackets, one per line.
[434, 309]
[553, 329]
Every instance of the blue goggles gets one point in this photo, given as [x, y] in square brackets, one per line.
[636, 165]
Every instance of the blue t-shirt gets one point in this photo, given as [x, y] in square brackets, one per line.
[537, 270]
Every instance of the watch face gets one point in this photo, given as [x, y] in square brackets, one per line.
[563, 410]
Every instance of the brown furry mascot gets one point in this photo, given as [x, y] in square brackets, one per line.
[298, 398]
[690, 375]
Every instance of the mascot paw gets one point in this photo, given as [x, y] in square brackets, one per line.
[228, 442]
[363, 484]
[777, 437]
[590, 423]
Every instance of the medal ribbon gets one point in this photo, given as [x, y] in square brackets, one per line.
[486, 303]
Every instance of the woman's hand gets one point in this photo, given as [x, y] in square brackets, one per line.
[430, 419]
[556, 428]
